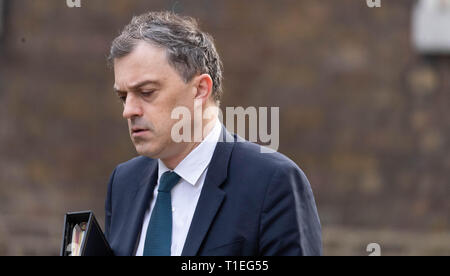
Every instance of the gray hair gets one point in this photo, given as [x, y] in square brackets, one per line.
[190, 51]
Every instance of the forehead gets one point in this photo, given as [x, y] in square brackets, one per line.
[146, 61]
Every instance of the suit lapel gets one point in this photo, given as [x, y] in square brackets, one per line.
[138, 205]
[211, 197]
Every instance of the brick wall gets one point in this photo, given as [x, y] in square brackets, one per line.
[361, 113]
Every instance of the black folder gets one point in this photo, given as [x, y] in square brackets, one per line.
[94, 242]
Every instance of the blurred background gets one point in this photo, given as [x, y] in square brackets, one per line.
[363, 93]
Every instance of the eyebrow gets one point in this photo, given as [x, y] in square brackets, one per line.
[138, 85]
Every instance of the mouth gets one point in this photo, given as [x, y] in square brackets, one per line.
[137, 131]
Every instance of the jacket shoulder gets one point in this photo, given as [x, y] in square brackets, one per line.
[253, 154]
[132, 171]
[135, 164]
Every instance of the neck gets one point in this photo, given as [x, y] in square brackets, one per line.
[173, 161]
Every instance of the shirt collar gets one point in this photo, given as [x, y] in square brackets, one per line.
[195, 163]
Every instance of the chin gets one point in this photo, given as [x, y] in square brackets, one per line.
[146, 151]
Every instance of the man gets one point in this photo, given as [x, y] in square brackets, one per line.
[209, 196]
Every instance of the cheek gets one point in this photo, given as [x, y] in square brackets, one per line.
[162, 123]
[162, 109]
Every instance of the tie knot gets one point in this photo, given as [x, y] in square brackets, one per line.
[168, 181]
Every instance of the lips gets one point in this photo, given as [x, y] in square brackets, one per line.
[138, 129]
[137, 132]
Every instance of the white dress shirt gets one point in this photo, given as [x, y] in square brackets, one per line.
[192, 171]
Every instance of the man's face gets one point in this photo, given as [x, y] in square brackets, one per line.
[150, 89]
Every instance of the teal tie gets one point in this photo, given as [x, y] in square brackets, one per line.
[159, 232]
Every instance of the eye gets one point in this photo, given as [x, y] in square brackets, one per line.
[122, 97]
[147, 93]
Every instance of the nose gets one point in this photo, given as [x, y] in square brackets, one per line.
[132, 107]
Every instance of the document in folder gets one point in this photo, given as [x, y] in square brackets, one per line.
[83, 236]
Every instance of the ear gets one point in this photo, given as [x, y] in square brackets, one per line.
[204, 86]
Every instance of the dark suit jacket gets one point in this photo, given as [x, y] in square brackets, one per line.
[251, 204]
